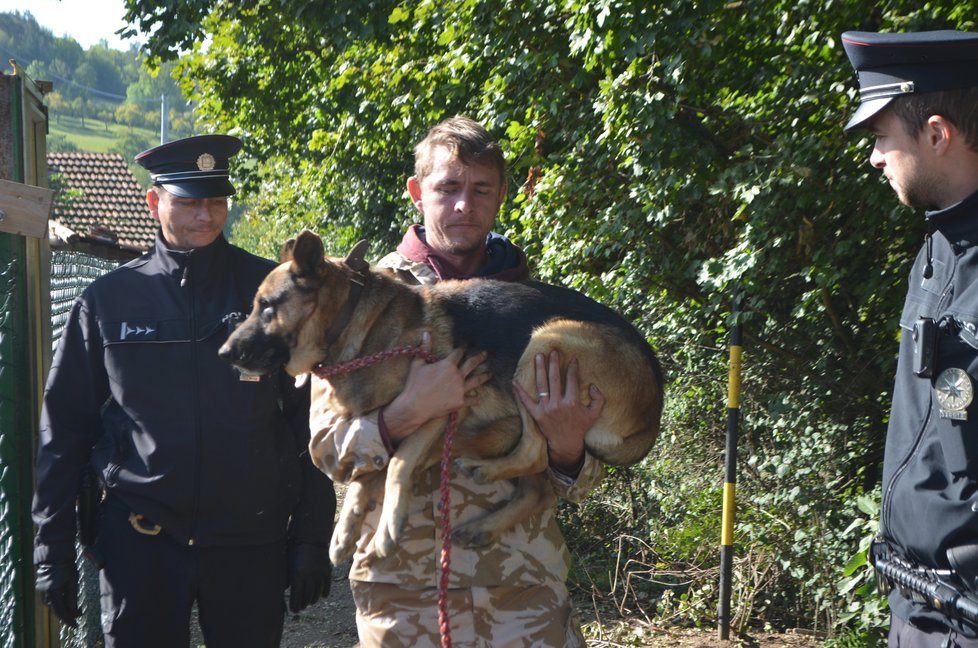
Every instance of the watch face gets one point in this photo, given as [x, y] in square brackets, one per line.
[953, 389]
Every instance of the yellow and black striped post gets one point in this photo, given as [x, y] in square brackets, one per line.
[730, 477]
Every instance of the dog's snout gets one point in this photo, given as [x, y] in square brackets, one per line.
[226, 352]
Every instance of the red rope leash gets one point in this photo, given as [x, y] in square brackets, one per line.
[322, 370]
[444, 502]
[446, 532]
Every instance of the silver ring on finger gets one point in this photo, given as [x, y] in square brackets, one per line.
[543, 394]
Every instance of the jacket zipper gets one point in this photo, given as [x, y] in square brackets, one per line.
[186, 282]
[888, 496]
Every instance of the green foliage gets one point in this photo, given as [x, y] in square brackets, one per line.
[61, 144]
[864, 610]
[660, 154]
[132, 144]
[128, 114]
[64, 196]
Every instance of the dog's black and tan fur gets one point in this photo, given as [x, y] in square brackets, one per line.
[312, 310]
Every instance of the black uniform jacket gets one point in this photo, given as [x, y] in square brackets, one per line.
[137, 388]
[930, 469]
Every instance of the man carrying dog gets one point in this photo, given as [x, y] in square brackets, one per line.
[210, 497]
[513, 592]
[919, 93]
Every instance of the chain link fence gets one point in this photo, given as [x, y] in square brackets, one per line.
[71, 272]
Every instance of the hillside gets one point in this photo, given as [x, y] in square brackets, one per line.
[103, 100]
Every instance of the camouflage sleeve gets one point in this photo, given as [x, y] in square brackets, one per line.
[576, 489]
[411, 272]
[343, 448]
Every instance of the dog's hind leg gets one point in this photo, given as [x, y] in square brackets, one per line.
[618, 366]
[529, 455]
[533, 495]
[362, 495]
[409, 457]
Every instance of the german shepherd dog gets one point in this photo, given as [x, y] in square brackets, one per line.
[313, 311]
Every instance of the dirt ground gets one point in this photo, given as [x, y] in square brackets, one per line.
[330, 624]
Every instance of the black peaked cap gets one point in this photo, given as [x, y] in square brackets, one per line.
[894, 64]
[193, 167]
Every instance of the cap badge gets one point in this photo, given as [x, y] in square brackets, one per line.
[906, 87]
[954, 393]
[205, 162]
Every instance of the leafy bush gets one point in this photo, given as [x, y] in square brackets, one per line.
[60, 144]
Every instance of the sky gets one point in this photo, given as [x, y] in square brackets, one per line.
[87, 21]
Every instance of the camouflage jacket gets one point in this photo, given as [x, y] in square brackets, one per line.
[532, 553]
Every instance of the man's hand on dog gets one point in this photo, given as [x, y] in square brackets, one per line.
[563, 419]
[433, 390]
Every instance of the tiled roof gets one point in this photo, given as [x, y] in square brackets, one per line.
[112, 207]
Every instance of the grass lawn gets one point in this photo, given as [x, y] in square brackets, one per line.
[93, 137]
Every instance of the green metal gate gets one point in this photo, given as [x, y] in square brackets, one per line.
[25, 332]
[15, 485]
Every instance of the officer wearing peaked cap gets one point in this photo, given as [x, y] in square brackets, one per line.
[194, 167]
[190, 188]
[895, 65]
[209, 493]
[918, 96]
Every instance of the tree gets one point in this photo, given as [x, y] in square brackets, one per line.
[130, 146]
[103, 77]
[68, 51]
[107, 116]
[181, 124]
[128, 113]
[153, 83]
[660, 155]
[21, 37]
[79, 107]
[56, 103]
[108, 69]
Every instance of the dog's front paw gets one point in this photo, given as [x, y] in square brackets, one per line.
[384, 544]
[348, 529]
[390, 530]
[341, 548]
[360, 498]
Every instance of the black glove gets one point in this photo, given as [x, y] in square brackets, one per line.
[58, 585]
[310, 575]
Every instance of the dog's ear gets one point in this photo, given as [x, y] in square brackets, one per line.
[307, 254]
[355, 259]
[285, 253]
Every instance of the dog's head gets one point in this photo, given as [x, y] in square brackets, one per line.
[295, 308]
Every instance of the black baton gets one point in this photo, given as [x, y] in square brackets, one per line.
[942, 596]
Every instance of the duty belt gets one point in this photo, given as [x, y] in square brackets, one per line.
[946, 590]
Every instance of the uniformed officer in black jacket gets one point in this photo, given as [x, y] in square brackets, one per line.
[919, 98]
[210, 496]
